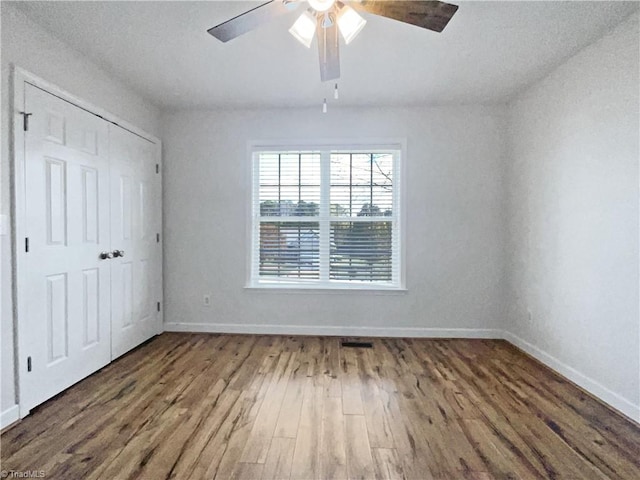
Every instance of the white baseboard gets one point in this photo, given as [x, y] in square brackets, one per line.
[9, 416]
[595, 388]
[334, 330]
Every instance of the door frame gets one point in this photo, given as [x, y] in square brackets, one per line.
[17, 153]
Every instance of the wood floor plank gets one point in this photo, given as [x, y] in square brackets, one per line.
[333, 459]
[225, 443]
[592, 438]
[263, 429]
[279, 459]
[312, 358]
[209, 460]
[289, 416]
[502, 457]
[306, 457]
[406, 438]
[210, 426]
[444, 460]
[168, 454]
[96, 424]
[387, 464]
[332, 369]
[196, 406]
[253, 400]
[555, 455]
[96, 402]
[359, 459]
[111, 380]
[350, 382]
[247, 471]
[195, 402]
[133, 458]
[380, 435]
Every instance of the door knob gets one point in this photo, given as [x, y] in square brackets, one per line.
[105, 255]
[118, 253]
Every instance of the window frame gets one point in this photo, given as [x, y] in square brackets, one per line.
[394, 146]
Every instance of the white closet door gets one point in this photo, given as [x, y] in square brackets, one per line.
[136, 284]
[67, 307]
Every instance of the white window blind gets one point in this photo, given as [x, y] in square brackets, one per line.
[326, 218]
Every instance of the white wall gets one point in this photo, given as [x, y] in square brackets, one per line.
[28, 46]
[454, 227]
[573, 203]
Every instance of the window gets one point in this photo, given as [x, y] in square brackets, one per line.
[326, 218]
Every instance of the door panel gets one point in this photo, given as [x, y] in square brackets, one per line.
[135, 220]
[58, 334]
[90, 205]
[91, 307]
[66, 182]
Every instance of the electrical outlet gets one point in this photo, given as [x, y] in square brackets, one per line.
[206, 300]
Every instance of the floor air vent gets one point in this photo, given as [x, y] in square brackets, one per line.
[357, 344]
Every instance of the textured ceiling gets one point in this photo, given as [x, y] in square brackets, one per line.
[488, 52]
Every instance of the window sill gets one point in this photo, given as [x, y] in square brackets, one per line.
[339, 290]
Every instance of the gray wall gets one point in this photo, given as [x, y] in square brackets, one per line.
[454, 226]
[30, 47]
[573, 219]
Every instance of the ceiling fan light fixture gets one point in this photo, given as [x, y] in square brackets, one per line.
[304, 29]
[327, 21]
[321, 5]
[350, 23]
[290, 4]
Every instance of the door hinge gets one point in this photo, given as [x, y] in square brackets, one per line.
[157, 238]
[28, 364]
[158, 306]
[157, 168]
[25, 120]
[26, 244]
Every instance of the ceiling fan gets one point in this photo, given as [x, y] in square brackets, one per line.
[328, 18]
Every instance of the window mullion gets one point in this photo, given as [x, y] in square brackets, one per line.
[396, 225]
[325, 211]
[255, 211]
[371, 184]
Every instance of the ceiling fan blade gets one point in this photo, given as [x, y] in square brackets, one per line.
[328, 47]
[431, 15]
[251, 19]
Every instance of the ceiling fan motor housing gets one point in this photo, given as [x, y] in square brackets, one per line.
[321, 5]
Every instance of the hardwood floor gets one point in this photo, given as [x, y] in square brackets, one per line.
[196, 406]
